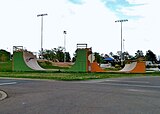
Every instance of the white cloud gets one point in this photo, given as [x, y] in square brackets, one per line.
[131, 11]
[90, 22]
[143, 33]
[137, 1]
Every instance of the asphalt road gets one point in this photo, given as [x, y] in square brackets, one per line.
[108, 96]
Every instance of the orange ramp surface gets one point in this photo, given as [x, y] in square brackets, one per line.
[96, 68]
[135, 67]
[140, 68]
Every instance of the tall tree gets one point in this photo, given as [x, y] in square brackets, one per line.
[98, 57]
[59, 53]
[150, 56]
[139, 54]
[68, 57]
[49, 54]
[4, 55]
[56, 54]
[127, 56]
[111, 54]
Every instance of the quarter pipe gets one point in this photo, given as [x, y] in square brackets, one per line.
[25, 61]
[135, 67]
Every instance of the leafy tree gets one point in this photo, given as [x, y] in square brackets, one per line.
[49, 54]
[116, 57]
[150, 56]
[74, 57]
[99, 58]
[127, 56]
[119, 53]
[56, 54]
[59, 54]
[111, 54]
[4, 55]
[139, 54]
[68, 57]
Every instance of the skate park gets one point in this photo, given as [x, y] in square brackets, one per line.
[79, 85]
[89, 83]
[24, 60]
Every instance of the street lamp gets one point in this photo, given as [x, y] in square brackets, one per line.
[64, 32]
[121, 21]
[41, 32]
[123, 44]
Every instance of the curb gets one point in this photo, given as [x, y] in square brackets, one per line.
[3, 95]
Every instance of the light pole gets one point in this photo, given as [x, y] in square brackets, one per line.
[41, 32]
[121, 21]
[123, 50]
[123, 45]
[64, 32]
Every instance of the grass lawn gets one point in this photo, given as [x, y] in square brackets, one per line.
[6, 71]
[70, 76]
[6, 66]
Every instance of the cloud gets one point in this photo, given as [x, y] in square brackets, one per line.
[76, 1]
[119, 7]
[92, 23]
[86, 21]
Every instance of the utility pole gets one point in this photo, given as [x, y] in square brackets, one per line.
[64, 32]
[41, 15]
[121, 21]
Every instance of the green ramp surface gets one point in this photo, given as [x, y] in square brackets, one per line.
[19, 63]
[81, 61]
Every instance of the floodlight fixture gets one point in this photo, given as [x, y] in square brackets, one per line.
[121, 21]
[41, 15]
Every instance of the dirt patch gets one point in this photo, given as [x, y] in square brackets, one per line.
[59, 64]
[62, 64]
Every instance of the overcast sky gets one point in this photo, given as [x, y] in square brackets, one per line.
[86, 21]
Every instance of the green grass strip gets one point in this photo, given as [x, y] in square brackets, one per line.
[70, 76]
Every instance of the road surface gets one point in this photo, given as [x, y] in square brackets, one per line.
[106, 96]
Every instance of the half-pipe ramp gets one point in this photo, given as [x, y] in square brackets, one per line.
[25, 61]
[135, 67]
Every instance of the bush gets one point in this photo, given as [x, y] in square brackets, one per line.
[4, 56]
[6, 66]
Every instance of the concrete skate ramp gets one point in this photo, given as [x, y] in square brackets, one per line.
[126, 67]
[129, 67]
[25, 61]
[31, 61]
[135, 67]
